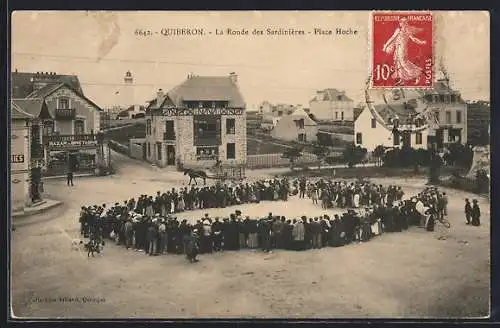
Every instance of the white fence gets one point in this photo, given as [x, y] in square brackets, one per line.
[274, 160]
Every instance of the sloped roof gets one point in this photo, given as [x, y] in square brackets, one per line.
[401, 111]
[357, 112]
[45, 91]
[442, 87]
[22, 84]
[33, 107]
[331, 94]
[207, 88]
[18, 113]
[51, 88]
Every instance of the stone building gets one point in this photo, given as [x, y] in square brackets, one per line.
[198, 122]
[332, 105]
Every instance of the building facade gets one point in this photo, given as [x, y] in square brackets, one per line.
[69, 122]
[371, 131]
[332, 105]
[20, 139]
[298, 126]
[197, 123]
[450, 111]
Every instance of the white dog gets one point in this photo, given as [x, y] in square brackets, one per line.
[75, 244]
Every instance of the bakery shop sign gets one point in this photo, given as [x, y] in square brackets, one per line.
[17, 158]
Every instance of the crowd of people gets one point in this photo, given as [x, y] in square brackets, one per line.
[150, 223]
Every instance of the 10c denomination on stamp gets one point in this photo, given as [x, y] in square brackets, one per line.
[402, 50]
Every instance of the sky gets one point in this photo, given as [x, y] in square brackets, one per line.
[100, 47]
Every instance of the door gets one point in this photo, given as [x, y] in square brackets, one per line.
[439, 138]
[406, 139]
[170, 155]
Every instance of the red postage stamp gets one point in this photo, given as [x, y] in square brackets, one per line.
[402, 50]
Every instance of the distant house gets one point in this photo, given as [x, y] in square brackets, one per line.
[265, 107]
[371, 130]
[297, 126]
[332, 105]
[450, 111]
[274, 113]
[134, 111]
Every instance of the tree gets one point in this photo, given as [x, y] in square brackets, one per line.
[321, 152]
[354, 154]
[292, 154]
[378, 153]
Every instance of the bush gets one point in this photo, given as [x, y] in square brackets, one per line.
[354, 154]
[406, 157]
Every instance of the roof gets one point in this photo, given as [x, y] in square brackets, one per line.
[22, 82]
[442, 87]
[51, 88]
[357, 112]
[401, 111]
[331, 95]
[18, 112]
[206, 88]
[45, 91]
[32, 107]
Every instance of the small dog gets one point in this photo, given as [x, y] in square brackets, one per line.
[75, 244]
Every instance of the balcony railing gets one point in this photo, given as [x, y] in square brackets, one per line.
[65, 113]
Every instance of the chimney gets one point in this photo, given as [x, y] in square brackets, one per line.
[159, 97]
[42, 79]
[233, 77]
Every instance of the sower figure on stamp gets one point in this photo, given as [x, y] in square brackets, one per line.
[404, 69]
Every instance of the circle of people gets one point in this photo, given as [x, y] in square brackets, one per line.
[150, 225]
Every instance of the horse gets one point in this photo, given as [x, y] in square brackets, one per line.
[193, 174]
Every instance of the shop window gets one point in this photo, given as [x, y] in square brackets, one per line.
[207, 153]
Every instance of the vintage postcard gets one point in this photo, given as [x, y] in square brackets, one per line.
[252, 164]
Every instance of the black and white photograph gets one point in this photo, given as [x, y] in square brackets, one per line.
[250, 164]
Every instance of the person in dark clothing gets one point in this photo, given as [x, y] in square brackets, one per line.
[302, 188]
[266, 235]
[151, 239]
[468, 211]
[217, 235]
[475, 214]
[69, 178]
